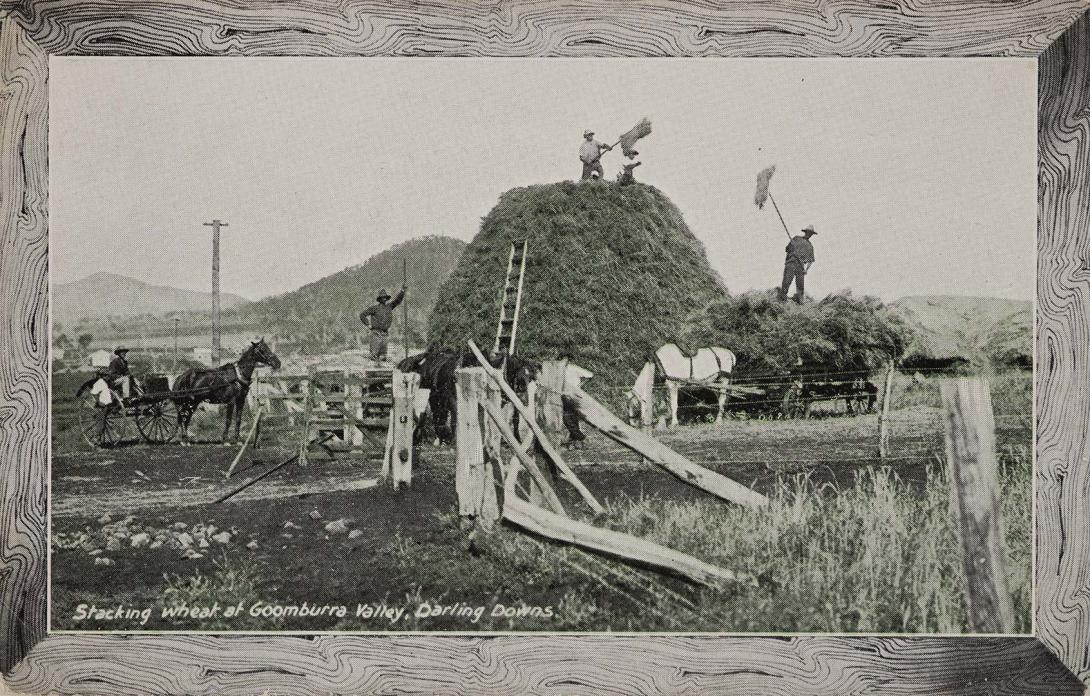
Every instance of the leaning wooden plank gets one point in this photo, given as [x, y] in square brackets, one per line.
[247, 484]
[298, 456]
[542, 440]
[613, 427]
[526, 444]
[525, 458]
[245, 443]
[549, 524]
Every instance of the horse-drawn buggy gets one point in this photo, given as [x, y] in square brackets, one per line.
[105, 414]
[159, 409]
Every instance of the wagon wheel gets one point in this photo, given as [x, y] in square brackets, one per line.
[157, 421]
[792, 405]
[101, 426]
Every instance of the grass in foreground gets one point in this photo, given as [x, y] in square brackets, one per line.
[873, 558]
[879, 557]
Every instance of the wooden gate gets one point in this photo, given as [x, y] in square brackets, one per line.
[328, 412]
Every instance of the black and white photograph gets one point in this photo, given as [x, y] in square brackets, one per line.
[542, 346]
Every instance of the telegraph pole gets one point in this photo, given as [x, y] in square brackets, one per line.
[215, 225]
[175, 368]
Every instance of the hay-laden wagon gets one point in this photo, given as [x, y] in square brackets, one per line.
[792, 395]
[105, 424]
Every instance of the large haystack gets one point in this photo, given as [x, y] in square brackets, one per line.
[613, 272]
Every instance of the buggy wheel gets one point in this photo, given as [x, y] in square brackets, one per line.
[101, 426]
[157, 421]
[792, 406]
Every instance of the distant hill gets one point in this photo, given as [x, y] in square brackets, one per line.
[976, 330]
[325, 313]
[102, 295]
[318, 317]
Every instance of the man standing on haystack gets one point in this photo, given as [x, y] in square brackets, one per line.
[625, 176]
[590, 152]
[378, 317]
[800, 256]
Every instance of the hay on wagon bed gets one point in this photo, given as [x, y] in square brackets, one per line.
[612, 273]
[841, 333]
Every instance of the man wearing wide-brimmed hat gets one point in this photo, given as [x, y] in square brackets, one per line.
[590, 153]
[117, 374]
[625, 176]
[378, 317]
[800, 256]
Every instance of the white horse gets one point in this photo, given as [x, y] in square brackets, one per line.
[710, 367]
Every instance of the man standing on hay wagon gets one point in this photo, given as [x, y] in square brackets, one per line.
[378, 317]
[800, 256]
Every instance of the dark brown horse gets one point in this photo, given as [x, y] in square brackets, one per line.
[436, 368]
[227, 384]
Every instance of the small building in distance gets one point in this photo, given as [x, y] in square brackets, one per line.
[203, 355]
[100, 358]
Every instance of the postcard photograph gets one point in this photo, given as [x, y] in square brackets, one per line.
[384, 345]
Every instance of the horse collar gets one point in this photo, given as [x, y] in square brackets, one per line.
[238, 375]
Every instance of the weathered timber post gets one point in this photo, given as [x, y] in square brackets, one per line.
[492, 441]
[399, 447]
[549, 392]
[970, 453]
[646, 395]
[883, 414]
[353, 411]
[549, 408]
[469, 468]
[308, 410]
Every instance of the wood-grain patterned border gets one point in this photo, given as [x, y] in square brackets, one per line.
[109, 664]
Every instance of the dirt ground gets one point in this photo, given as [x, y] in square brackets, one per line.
[163, 487]
[136, 526]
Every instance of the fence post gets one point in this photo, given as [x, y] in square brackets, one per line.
[970, 451]
[646, 396]
[883, 414]
[490, 509]
[308, 410]
[551, 407]
[402, 423]
[469, 470]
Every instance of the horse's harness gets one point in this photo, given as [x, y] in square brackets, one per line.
[238, 373]
[691, 359]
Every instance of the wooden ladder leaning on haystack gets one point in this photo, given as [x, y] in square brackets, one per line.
[511, 302]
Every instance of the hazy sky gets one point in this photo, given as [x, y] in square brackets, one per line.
[919, 175]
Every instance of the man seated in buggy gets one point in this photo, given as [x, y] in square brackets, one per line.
[115, 382]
